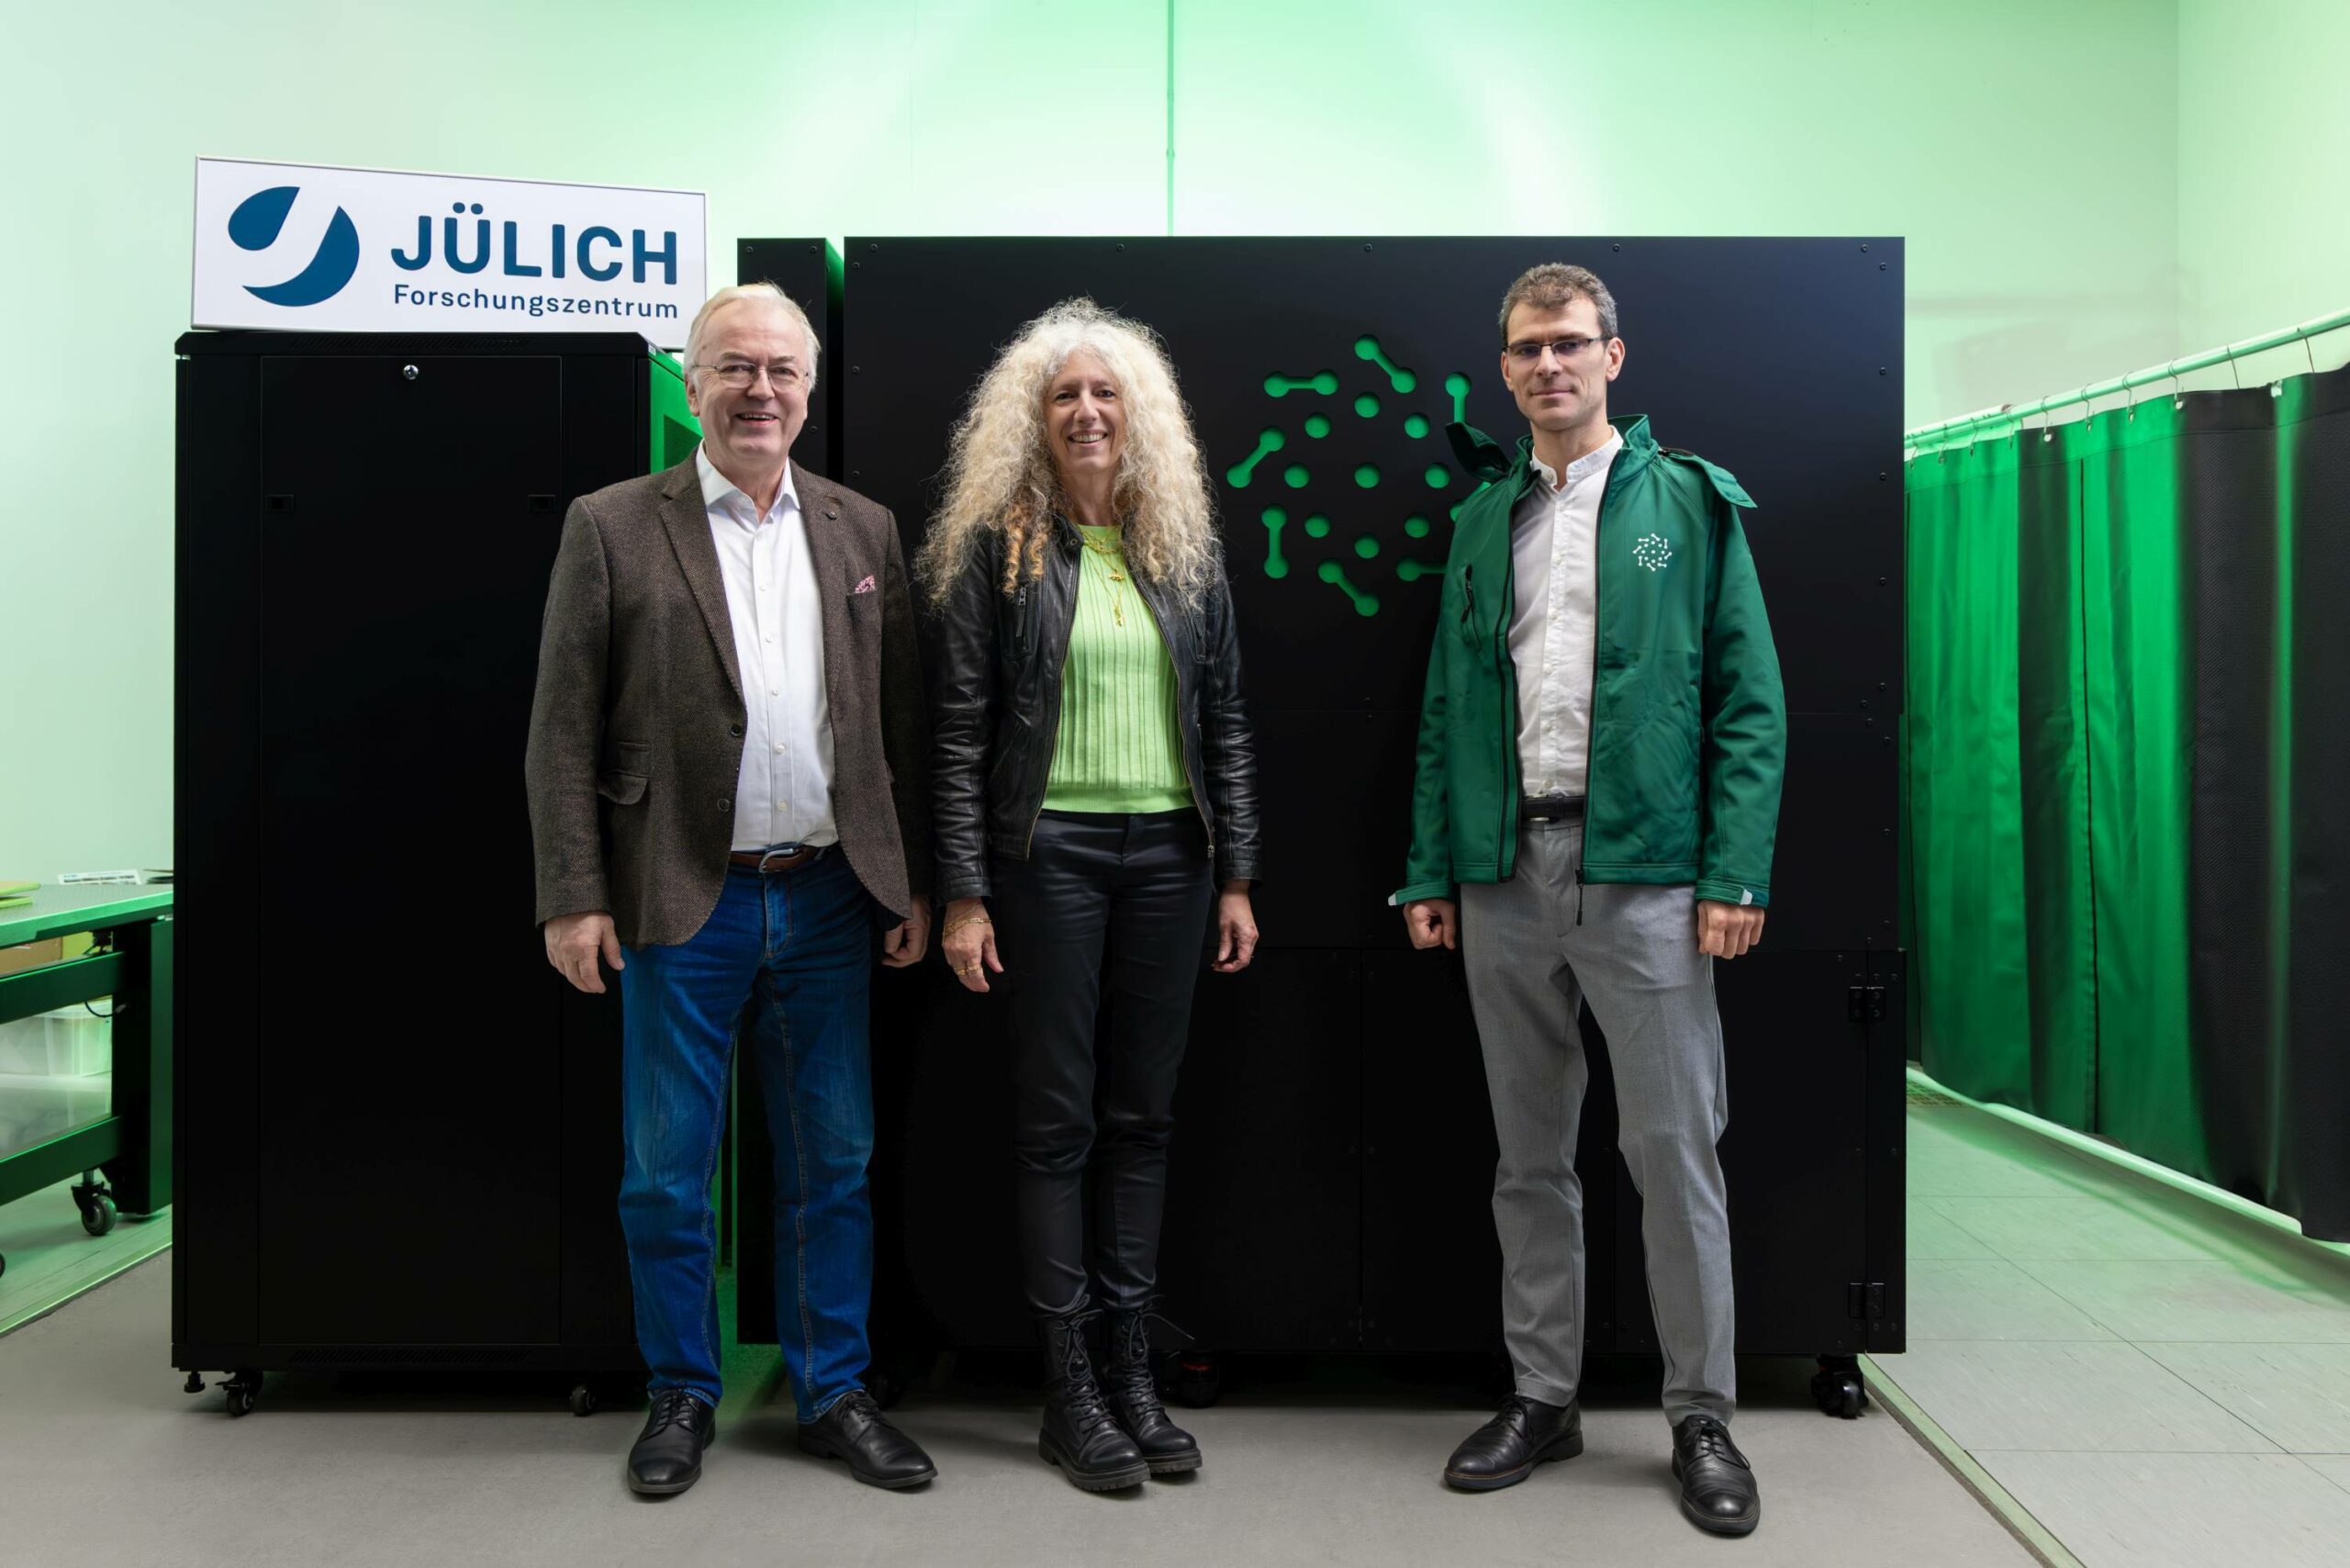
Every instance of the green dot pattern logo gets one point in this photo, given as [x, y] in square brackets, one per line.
[1380, 525]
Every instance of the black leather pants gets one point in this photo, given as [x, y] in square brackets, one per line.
[1107, 909]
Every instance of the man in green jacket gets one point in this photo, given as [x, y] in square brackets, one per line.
[1600, 752]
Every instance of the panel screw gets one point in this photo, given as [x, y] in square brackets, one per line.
[408, 373]
[1880, 370]
[1864, 245]
[1615, 247]
[1366, 247]
[1880, 266]
[873, 245]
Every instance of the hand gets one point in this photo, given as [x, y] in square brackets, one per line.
[573, 942]
[1726, 930]
[905, 942]
[1235, 930]
[968, 943]
[1433, 923]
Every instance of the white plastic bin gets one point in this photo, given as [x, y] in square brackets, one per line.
[71, 1042]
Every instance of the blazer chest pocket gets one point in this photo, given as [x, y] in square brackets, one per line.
[626, 767]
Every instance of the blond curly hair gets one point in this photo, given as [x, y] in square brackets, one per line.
[1000, 476]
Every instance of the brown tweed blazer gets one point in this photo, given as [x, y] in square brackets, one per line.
[636, 730]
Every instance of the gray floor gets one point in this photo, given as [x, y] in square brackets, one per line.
[49, 1257]
[2160, 1382]
[108, 1464]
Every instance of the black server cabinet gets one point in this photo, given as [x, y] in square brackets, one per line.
[399, 1137]
[1333, 1163]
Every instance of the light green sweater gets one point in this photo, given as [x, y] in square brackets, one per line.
[1119, 748]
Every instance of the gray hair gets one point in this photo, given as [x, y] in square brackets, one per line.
[1550, 286]
[733, 293]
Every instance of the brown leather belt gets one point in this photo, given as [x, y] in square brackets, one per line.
[770, 860]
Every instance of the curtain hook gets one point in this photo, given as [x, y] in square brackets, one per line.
[2309, 347]
[2178, 398]
[2089, 418]
[2233, 374]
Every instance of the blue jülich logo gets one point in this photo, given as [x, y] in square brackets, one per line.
[254, 226]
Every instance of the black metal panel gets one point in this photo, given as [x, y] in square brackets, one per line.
[1779, 359]
[809, 271]
[422, 1173]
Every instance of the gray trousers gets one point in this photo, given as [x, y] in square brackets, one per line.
[1635, 959]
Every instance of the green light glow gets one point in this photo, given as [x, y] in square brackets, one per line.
[1366, 547]
[1317, 527]
[1325, 382]
[1316, 426]
[1438, 476]
[1295, 476]
[1330, 572]
[1274, 520]
[1367, 406]
[1416, 425]
[1367, 476]
[1268, 441]
[1367, 347]
[1457, 384]
[1416, 526]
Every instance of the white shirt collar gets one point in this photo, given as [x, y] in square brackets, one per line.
[1590, 461]
[717, 486]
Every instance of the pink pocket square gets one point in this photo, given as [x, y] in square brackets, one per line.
[865, 586]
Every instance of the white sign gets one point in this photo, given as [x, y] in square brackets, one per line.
[300, 247]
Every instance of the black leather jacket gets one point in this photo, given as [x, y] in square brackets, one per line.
[999, 708]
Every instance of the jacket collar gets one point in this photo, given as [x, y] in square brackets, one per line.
[1484, 457]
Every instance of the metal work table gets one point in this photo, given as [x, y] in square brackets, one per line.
[131, 962]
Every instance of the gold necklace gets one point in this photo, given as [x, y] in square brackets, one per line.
[1110, 553]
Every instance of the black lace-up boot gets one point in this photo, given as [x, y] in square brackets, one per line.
[1130, 1382]
[1080, 1435]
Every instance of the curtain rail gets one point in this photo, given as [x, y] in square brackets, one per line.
[1968, 424]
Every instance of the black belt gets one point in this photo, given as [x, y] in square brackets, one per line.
[1550, 808]
[773, 860]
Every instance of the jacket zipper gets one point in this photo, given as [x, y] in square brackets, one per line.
[1591, 712]
[1029, 847]
[1199, 797]
[1505, 862]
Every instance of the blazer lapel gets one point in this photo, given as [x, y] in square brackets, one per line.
[688, 523]
[832, 555]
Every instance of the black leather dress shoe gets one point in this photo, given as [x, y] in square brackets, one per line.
[668, 1455]
[1504, 1451]
[853, 1428]
[1718, 1489]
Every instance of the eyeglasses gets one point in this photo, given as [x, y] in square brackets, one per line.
[738, 373]
[1529, 350]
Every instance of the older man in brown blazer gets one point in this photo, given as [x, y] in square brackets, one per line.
[727, 797]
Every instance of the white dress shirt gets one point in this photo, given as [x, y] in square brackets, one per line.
[1553, 630]
[784, 791]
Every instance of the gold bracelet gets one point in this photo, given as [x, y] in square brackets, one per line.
[953, 925]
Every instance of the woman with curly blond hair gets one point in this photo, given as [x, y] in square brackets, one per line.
[1096, 791]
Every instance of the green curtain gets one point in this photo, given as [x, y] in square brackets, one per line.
[2125, 780]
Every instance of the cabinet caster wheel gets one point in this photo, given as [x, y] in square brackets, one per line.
[4, 1263]
[1837, 1388]
[585, 1401]
[242, 1390]
[1199, 1382]
[98, 1215]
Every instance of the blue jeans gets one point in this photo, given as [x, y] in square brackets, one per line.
[797, 948]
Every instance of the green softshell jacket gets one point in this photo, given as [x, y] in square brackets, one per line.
[1688, 722]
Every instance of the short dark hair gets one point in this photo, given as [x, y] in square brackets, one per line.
[1550, 286]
